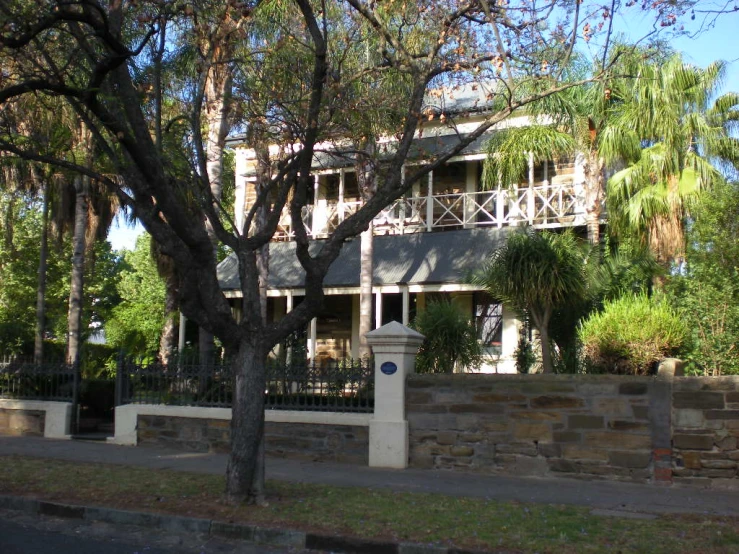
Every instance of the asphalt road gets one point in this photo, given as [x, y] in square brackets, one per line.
[25, 534]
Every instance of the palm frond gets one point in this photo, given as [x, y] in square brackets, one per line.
[509, 152]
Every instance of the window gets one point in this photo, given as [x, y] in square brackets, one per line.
[489, 322]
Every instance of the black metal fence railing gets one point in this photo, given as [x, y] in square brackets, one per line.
[178, 385]
[339, 387]
[25, 380]
[346, 386]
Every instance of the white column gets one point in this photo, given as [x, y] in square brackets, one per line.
[470, 196]
[239, 200]
[509, 341]
[415, 201]
[378, 309]
[530, 206]
[402, 215]
[394, 347]
[406, 304]
[312, 340]
[320, 219]
[181, 338]
[430, 203]
[289, 302]
[340, 207]
[500, 205]
[288, 309]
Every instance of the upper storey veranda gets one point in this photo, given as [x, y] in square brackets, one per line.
[451, 196]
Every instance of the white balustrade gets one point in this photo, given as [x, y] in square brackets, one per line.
[543, 206]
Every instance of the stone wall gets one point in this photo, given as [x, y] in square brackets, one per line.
[309, 441]
[576, 426]
[705, 413]
[22, 422]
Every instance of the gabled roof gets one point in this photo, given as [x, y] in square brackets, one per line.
[417, 258]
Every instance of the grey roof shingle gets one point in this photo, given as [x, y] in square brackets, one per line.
[418, 258]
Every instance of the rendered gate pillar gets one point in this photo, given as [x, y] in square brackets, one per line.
[394, 347]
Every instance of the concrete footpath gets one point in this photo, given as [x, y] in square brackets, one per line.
[604, 497]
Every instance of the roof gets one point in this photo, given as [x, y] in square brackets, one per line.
[417, 258]
[461, 99]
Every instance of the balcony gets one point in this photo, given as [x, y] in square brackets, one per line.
[544, 205]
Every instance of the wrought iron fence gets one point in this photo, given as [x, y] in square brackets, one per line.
[337, 387]
[25, 380]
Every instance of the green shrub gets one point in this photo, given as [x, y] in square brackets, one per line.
[451, 339]
[631, 334]
[524, 355]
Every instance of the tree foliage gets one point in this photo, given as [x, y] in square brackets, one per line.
[451, 339]
[537, 273]
[19, 252]
[136, 323]
[685, 143]
[631, 334]
[707, 291]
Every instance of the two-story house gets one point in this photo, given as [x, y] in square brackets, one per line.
[426, 244]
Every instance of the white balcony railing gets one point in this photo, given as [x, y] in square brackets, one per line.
[544, 206]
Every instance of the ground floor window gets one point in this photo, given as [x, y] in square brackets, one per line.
[488, 314]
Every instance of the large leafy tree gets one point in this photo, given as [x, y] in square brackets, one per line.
[19, 255]
[91, 53]
[137, 322]
[537, 273]
[707, 290]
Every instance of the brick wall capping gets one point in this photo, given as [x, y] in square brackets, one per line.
[536, 378]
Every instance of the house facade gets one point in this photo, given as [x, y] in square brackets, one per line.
[426, 244]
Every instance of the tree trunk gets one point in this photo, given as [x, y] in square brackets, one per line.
[38, 347]
[217, 108]
[168, 340]
[365, 289]
[245, 470]
[592, 221]
[367, 181]
[76, 288]
[594, 192]
[541, 322]
[546, 353]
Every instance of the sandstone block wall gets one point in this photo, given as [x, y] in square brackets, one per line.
[610, 427]
[705, 412]
[319, 442]
[22, 422]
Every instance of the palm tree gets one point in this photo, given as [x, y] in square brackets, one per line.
[572, 123]
[686, 146]
[537, 273]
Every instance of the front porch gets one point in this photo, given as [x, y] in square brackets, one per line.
[333, 336]
[410, 270]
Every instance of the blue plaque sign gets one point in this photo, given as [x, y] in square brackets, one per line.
[388, 368]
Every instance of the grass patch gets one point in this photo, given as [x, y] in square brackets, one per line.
[371, 513]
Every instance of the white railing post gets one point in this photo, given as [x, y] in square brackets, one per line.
[342, 172]
[531, 205]
[500, 200]
[430, 203]
[394, 347]
[402, 201]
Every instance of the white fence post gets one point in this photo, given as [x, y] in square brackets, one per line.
[395, 347]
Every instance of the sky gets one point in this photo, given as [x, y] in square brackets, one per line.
[717, 41]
